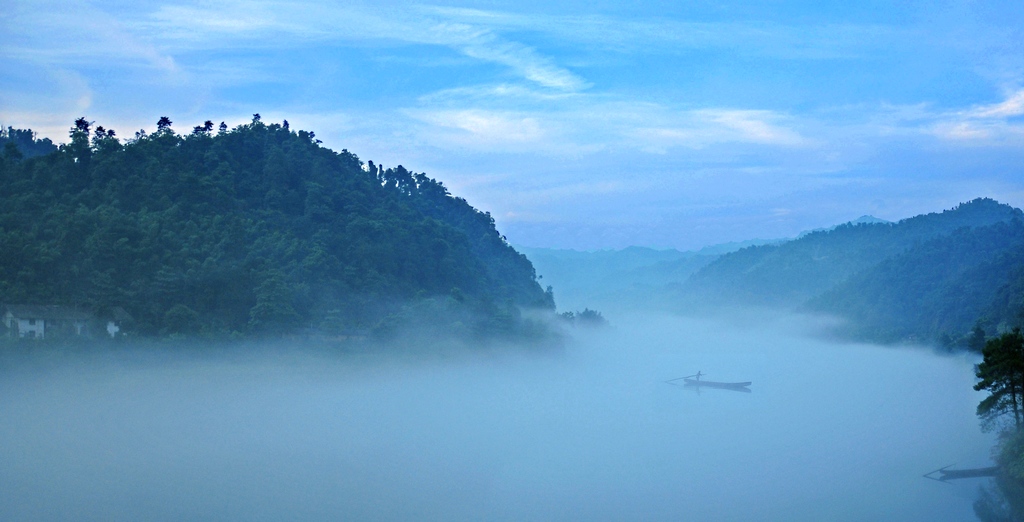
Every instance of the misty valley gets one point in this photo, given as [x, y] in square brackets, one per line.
[243, 324]
[829, 431]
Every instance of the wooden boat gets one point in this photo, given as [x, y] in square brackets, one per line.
[713, 384]
[945, 473]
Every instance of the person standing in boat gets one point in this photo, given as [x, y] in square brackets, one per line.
[698, 375]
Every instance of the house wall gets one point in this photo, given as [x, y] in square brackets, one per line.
[26, 328]
[61, 323]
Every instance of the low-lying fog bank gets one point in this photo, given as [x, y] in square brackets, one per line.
[588, 432]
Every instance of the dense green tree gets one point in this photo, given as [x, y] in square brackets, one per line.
[1002, 375]
[273, 311]
[25, 143]
[976, 341]
[12, 153]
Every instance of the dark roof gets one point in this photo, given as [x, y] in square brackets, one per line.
[48, 312]
[119, 315]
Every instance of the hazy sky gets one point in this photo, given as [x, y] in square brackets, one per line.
[576, 124]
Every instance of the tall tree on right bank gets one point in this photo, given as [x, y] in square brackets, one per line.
[1002, 375]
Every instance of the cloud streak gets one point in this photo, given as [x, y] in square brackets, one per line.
[993, 124]
[1012, 106]
[586, 123]
[646, 35]
[77, 34]
[266, 23]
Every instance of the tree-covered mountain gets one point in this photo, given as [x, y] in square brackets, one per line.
[250, 230]
[922, 277]
[939, 287]
[790, 273]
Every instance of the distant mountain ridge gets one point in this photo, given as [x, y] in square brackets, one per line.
[863, 220]
[611, 278]
[634, 276]
[921, 277]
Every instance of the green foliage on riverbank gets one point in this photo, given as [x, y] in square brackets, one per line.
[587, 318]
[250, 231]
[1001, 373]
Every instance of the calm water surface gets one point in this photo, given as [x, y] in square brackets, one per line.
[829, 432]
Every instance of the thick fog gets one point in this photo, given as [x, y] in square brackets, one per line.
[587, 432]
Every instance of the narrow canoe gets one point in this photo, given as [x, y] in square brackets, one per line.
[713, 384]
[950, 474]
[944, 474]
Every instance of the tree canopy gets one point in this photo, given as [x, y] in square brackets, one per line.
[250, 230]
[1002, 375]
[16, 144]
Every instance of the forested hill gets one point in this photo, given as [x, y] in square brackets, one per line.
[924, 276]
[938, 289]
[251, 230]
[792, 272]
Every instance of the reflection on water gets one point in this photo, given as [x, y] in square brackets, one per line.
[834, 432]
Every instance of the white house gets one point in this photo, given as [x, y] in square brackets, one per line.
[23, 321]
[41, 321]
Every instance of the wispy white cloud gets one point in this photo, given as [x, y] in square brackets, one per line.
[80, 34]
[50, 109]
[705, 127]
[479, 128]
[757, 38]
[520, 94]
[989, 124]
[488, 36]
[274, 23]
[1012, 106]
[62, 34]
[500, 118]
[755, 126]
[525, 60]
[962, 131]
[868, 126]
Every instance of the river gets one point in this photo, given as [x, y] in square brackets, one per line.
[830, 431]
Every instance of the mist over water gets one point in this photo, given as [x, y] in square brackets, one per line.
[591, 432]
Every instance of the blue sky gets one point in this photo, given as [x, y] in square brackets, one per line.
[576, 124]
